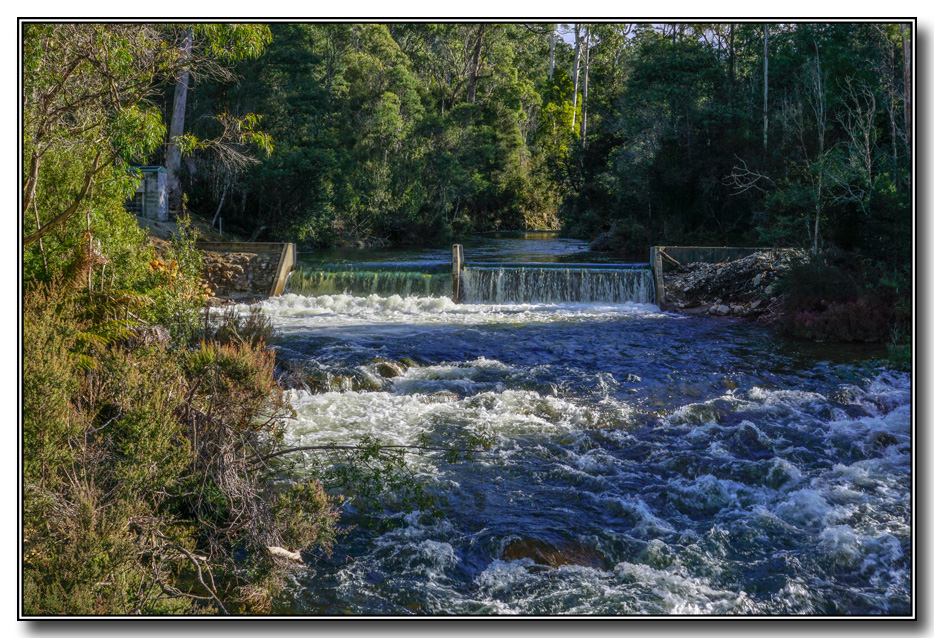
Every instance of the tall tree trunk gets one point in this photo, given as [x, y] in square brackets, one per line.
[586, 82]
[765, 91]
[732, 69]
[32, 180]
[475, 66]
[551, 57]
[574, 71]
[173, 155]
[906, 52]
[893, 101]
[820, 115]
[45, 263]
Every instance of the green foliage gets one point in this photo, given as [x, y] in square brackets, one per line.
[231, 327]
[844, 299]
[173, 281]
[140, 474]
[376, 480]
[143, 452]
[231, 42]
[900, 351]
[147, 454]
[305, 515]
[680, 148]
[50, 378]
[376, 138]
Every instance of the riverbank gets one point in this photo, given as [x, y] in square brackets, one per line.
[744, 287]
[835, 299]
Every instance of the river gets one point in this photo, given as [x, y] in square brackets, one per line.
[639, 462]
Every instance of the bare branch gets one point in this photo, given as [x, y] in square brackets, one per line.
[331, 448]
[743, 179]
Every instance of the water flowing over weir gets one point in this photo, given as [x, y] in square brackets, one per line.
[482, 282]
[403, 279]
[640, 462]
[557, 283]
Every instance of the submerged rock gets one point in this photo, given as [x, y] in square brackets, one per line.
[555, 554]
[389, 369]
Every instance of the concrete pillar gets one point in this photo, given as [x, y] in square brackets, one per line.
[655, 258]
[457, 263]
[286, 263]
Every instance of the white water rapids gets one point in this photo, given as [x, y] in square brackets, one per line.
[641, 462]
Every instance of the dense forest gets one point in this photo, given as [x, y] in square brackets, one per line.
[744, 133]
[147, 421]
[728, 133]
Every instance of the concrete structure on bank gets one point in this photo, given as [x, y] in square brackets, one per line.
[151, 199]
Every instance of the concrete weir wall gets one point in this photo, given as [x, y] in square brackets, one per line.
[241, 270]
[710, 254]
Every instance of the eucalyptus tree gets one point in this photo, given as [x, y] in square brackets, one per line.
[90, 105]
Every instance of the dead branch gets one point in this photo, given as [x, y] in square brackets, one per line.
[674, 261]
[742, 178]
[331, 448]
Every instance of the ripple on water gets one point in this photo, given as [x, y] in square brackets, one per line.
[625, 477]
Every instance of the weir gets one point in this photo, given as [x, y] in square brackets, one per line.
[362, 279]
[556, 283]
[481, 282]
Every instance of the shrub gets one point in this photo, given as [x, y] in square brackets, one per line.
[837, 297]
[143, 471]
[811, 284]
[863, 319]
[233, 327]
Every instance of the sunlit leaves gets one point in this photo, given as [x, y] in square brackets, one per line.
[232, 42]
[137, 132]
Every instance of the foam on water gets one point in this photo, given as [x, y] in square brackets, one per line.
[785, 494]
[344, 417]
[296, 312]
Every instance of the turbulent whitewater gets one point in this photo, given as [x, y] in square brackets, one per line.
[641, 462]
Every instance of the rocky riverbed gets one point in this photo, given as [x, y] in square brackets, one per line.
[742, 288]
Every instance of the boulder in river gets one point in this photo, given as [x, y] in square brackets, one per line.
[555, 554]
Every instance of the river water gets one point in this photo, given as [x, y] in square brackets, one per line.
[639, 462]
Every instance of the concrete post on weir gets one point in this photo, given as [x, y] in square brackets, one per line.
[457, 263]
[655, 259]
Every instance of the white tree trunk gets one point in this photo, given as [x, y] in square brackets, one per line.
[551, 58]
[586, 82]
[221, 204]
[173, 155]
[765, 91]
[574, 71]
[906, 53]
[820, 116]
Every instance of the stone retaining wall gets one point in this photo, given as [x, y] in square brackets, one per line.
[245, 272]
[232, 274]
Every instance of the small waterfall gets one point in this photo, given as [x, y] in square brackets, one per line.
[557, 283]
[384, 279]
[499, 283]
